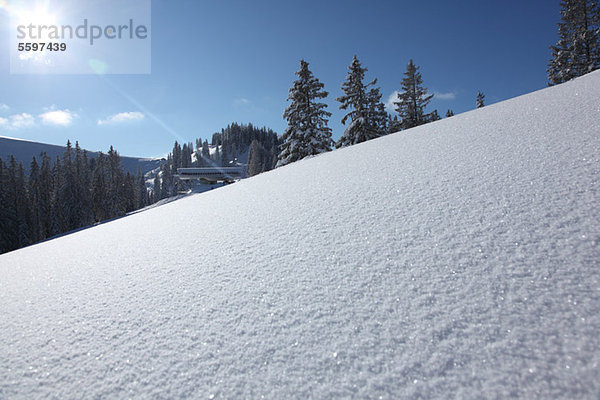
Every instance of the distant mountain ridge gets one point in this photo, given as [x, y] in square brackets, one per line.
[25, 150]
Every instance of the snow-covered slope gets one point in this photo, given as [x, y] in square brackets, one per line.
[456, 260]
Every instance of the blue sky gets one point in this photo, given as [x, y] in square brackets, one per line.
[223, 61]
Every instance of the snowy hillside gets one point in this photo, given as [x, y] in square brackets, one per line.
[24, 151]
[459, 259]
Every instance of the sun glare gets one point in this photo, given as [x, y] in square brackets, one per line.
[34, 18]
[40, 16]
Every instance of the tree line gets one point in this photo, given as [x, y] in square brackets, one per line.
[236, 141]
[308, 134]
[61, 195]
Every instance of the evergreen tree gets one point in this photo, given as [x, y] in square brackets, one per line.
[117, 202]
[413, 99]
[307, 132]
[59, 219]
[68, 192]
[23, 208]
[141, 197]
[377, 117]
[166, 181]
[128, 192]
[449, 113]
[35, 190]
[83, 212]
[434, 116]
[366, 109]
[260, 159]
[577, 51]
[176, 156]
[45, 191]
[480, 99]
[16, 207]
[217, 157]
[10, 238]
[205, 151]
[393, 124]
[100, 189]
[255, 159]
[156, 190]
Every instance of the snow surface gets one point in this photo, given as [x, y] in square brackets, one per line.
[459, 259]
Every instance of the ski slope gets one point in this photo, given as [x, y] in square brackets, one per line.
[459, 259]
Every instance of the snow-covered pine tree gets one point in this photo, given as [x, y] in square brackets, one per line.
[156, 189]
[205, 151]
[480, 99]
[100, 188]
[217, 159]
[365, 108]
[413, 98]
[58, 218]
[393, 124]
[115, 184]
[8, 210]
[577, 51]
[166, 180]
[377, 117]
[84, 216]
[46, 188]
[307, 133]
[141, 195]
[34, 189]
[255, 158]
[23, 208]
[66, 203]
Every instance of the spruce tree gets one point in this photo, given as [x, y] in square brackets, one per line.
[35, 190]
[480, 99]
[141, 190]
[307, 132]
[84, 215]
[156, 189]
[365, 113]
[46, 188]
[100, 189]
[434, 116]
[59, 220]
[449, 113]
[9, 206]
[66, 198]
[255, 159]
[413, 98]
[115, 183]
[23, 209]
[377, 117]
[393, 124]
[577, 51]
[205, 152]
